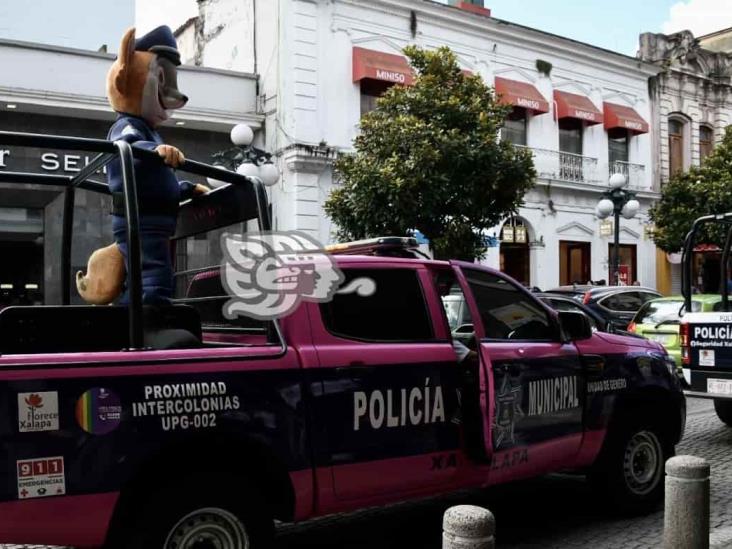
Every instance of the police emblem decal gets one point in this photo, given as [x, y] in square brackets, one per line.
[507, 411]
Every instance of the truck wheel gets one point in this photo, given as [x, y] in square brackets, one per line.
[724, 411]
[630, 469]
[200, 513]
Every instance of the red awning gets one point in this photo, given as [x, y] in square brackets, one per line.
[572, 105]
[618, 116]
[520, 94]
[377, 65]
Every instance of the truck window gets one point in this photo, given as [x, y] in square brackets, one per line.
[624, 302]
[198, 284]
[506, 311]
[396, 311]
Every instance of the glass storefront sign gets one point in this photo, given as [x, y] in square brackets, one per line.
[606, 227]
[520, 234]
[507, 234]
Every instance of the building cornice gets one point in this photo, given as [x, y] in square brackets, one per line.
[302, 157]
[514, 34]
[94, 107]
[645, 194]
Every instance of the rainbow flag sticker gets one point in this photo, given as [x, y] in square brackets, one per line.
[98, 411]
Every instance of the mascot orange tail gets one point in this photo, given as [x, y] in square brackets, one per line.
[105, 276]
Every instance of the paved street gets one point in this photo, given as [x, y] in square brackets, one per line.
[555, 511]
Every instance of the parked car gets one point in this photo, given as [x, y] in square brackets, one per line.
[616, 304]
[561, 302]
[659, 319]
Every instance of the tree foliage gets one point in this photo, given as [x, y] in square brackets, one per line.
[428, 158]
[703, 190]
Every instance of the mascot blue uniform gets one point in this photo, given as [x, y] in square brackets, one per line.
[142, 88]
[158, 196]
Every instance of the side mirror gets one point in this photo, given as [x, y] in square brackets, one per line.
[575, 326]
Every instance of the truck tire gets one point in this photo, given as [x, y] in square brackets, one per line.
[724, 411]
[630, 469]
[204, 511]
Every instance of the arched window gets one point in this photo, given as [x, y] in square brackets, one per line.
[706, 142]
[675, 146]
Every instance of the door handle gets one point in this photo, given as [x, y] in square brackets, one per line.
[356, 367]
[594, 364]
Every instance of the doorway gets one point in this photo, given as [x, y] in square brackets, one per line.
[574, 262]
[628, 273]
[21, 256]
[21, 273]
[514, 259]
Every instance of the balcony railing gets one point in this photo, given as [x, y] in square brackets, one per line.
[575, 168]
[564, 166]
[635, 174]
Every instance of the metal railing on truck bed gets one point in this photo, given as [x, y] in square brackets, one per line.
[252, 206]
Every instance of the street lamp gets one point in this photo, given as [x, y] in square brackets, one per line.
[246, 159]
[617, 201]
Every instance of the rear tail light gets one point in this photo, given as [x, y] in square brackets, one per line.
[586, 298]
[631, 326]
[684, 337]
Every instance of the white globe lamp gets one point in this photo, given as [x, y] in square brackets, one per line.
[249, 169]
[617, 181]
[242, 135]
[604, 208]
[630, 209]
[215, 183]
[269, 173]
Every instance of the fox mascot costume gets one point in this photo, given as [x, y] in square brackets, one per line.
[142, 87]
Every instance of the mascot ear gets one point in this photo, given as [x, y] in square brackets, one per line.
[124, 59]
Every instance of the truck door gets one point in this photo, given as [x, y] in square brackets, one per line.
[384, 396]
[535, 379]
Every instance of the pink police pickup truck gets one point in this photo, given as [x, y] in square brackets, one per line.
[109, 440]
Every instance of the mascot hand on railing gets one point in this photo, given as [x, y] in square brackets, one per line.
[142, 87]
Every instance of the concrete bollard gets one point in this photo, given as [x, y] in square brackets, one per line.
[686, 515]
[468, 527]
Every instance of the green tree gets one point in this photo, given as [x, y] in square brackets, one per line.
[428, 158]
[703, 190]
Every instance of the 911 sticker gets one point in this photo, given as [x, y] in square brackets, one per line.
[43, 477]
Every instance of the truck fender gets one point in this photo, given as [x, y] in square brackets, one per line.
[243, 456]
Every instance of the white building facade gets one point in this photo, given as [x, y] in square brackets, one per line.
[583, 111]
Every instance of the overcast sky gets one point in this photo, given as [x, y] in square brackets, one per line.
[611, 24]
[85, 24]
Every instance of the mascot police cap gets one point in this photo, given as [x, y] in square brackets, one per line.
[160, 41]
